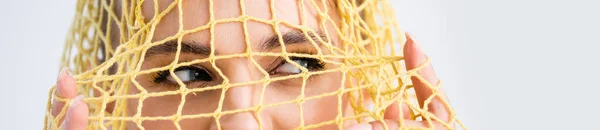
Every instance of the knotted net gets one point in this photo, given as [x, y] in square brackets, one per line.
[109, 41]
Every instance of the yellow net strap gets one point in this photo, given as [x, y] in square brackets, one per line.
[109, 41]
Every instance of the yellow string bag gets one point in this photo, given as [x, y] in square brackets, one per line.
[370, 52]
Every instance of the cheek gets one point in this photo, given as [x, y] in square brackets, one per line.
[321, 110]
[324, 108]
[314, 110]
[166, 106]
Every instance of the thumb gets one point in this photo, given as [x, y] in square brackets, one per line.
[77, 115]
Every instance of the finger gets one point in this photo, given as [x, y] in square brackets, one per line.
[65, 88]
[393, 125]
[415, 58]
[393, 112]
[77, 115]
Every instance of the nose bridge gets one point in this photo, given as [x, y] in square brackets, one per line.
[240, 70]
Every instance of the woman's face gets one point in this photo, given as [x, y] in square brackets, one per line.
[236, 37]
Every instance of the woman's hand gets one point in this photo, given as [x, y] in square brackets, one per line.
[413, 57]
[76, 117]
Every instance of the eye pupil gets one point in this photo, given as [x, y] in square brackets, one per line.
[201, 74]
[302, 63]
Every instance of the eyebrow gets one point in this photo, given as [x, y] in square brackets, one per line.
[171, 47]
[292, 37]
[289, 38]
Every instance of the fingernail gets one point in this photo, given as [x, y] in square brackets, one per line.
[369, 106]
[72, 107]
[61, 75]
[415, 45]
[63, 72]
[366, 126]
[75, 101]
[415, 55]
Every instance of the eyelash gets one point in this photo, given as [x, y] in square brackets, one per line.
[312, 65]
[161, 77]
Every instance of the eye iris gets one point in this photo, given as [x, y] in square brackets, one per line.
[185, 74]
[302, 63]
[191, 75]
[310, 63]
[200, 74]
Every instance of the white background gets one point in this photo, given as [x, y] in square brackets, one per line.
[506, 64]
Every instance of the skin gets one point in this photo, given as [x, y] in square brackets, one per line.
[229, 39]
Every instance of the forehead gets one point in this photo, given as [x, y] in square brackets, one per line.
[230, 20]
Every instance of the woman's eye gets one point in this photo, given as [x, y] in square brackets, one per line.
[185, 74]
[309, 63]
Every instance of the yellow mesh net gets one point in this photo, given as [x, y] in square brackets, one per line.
[116, 51]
